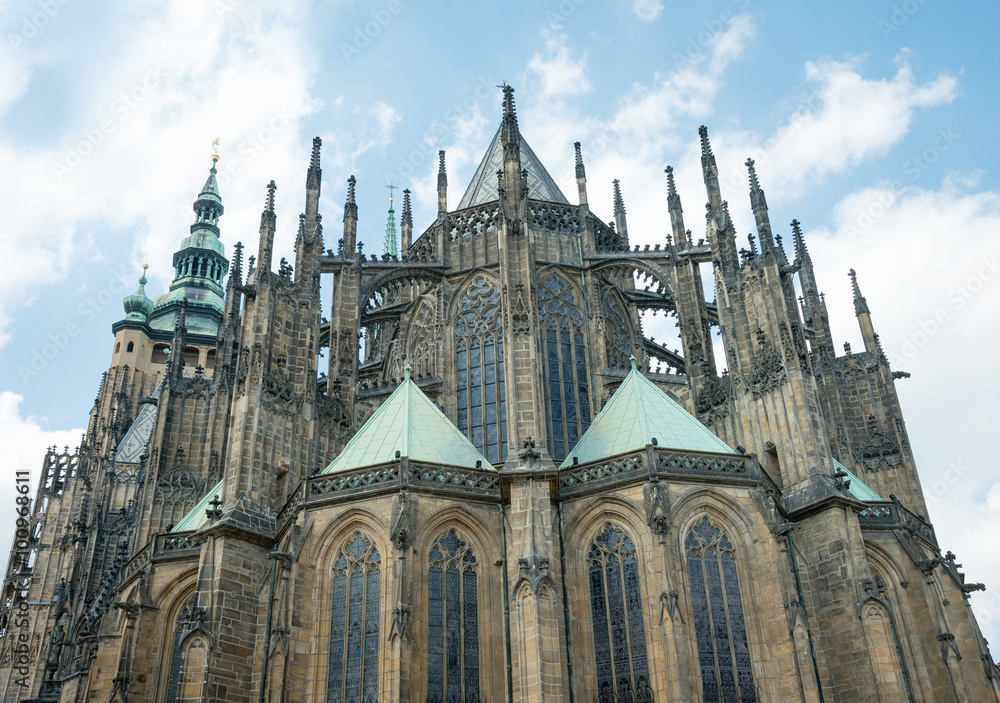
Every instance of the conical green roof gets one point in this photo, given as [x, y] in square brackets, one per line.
[408, 422]
[638, 412]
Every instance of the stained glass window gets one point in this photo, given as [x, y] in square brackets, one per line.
[481, 399]
[184, 621]
[618, 346]
[564, 366]
[723, 653]
[354, 624]
[619, 631]
[453, 623]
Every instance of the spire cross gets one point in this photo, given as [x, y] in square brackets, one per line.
[392, 188]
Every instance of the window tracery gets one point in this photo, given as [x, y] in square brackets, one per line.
[481, 400]
[618, 347]
[354, 624]
[453, 622]
[723, 652]
[564, 366]
[619, 631]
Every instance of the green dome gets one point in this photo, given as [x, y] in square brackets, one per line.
[138, 306]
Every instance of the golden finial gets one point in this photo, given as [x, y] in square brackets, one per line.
[215, 149]
[145, 260]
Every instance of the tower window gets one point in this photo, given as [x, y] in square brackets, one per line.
[453, 622]
[616, 607]
[482, 406]
[354, 626]
[723, 653]
[564, 366]
[130, 347]
[118, 347]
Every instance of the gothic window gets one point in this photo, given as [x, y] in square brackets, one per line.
[184, 623]
[354, 624]
[453, 623]
[564, 366]
[619, 632]
[422, 343]
[482, 407]
[726, 676]
[616, 335]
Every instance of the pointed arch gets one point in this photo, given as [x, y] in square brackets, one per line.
[453, 654]
[619, 342]
[480, 391]
[353, 672]
[565, 381]
[616, 610]
[717, 604]
[422, 335]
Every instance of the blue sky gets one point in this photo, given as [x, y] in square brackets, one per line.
[873, 123]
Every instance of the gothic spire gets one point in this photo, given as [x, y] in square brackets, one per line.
[510, 135]
[350, 218]
[442, 185]
[620, 221]
[675, 210]
[860, 304]
[389, 245]
[267, 227]
[177, 344]
[581, 174]
[315, 173]
[801, 252]
[406, 222]
[759, 205]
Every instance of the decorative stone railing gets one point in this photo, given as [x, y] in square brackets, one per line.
[890, 515]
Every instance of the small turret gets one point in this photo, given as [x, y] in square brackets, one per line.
[389, 245]
[138, 307]
[620, 221]
[864, 316]
[675, 210]
[581, 175]
[510, 137]
[267, 227]
[759, 205]
[350, 219]
[442, 185]
[406, 222]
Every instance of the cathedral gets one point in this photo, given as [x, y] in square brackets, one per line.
[476, 479]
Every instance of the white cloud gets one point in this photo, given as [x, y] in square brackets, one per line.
[647, 10]
[135, 153]
[560, 73]
[933, 301]
[23, 443]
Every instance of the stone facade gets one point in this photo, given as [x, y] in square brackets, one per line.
[193, 549]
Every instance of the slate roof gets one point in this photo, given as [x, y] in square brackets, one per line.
[483, 187]
[134, 442]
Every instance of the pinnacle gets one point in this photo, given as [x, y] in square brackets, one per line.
[269, 204]
[407, 217]
[706, 146]
[619, 203]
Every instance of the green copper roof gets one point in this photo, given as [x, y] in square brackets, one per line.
[637, 412]
[138, 306]
[408, 422]
[196, 516]
[858, 488]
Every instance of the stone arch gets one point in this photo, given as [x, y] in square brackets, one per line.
[422, 337]
[621, 337]
[326, 546]
[458, 286]
[396, 276]
[473, 525]
[637, 266]
[172, 599]
[731, 520]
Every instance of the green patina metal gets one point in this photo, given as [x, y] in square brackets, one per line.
[858, 488]
[196, 517]
[638, 412]
[410, 423]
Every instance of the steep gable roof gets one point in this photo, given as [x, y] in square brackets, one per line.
[134, 442]
[483, 187]
[638, 412]
[408, 422]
